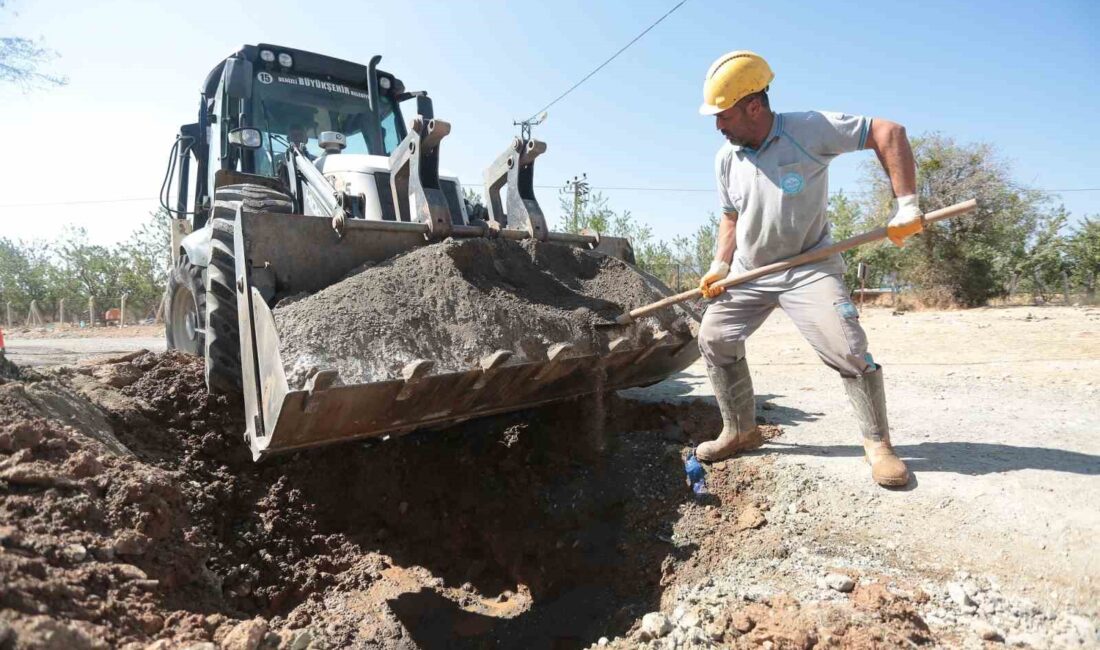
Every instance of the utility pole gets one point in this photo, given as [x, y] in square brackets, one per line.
[579, 188]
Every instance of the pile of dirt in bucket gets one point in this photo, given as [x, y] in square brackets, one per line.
[458, 301]
[132, 516]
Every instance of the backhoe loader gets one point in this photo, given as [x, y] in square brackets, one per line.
[301, 169]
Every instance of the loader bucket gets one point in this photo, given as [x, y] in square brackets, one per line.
[292, 254]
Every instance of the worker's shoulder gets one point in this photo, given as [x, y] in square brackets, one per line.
[799, 120]
[803, 121]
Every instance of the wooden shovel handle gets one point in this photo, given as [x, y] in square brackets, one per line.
[799, 260]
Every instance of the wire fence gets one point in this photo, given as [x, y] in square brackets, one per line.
[47, 314]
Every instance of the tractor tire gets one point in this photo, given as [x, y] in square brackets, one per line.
[223, 338]
[185, 308]
[252, 198]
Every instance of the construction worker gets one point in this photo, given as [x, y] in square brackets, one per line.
[773, 187]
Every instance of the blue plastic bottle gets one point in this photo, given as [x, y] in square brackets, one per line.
[696, 475]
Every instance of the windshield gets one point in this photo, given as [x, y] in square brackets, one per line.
[298, 109]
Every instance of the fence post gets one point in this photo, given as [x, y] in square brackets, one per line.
[34, 318]
[122, 312]
[9, 315]
[61, 312]
[91, 312]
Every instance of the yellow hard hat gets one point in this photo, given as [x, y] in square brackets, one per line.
[732, 77]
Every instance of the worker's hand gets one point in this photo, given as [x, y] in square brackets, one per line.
[718, 271]
[907, 221]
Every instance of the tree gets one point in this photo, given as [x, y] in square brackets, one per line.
[25, 273]
[678, 263]
[1083, 253]
[147, 255]
[89, 270]
[847, 219]
[593, 213]
[970, 259]
[1045, 263]
[472, 196]
[20, 59]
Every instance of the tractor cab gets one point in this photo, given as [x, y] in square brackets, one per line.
[264, 99]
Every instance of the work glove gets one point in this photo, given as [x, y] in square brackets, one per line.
[907, 221]
[718, 271]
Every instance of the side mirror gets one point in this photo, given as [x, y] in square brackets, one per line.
[423, 103]
[238, 78]
[246, 138]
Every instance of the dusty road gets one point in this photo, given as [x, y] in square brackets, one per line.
[995, 411]
[64, 351]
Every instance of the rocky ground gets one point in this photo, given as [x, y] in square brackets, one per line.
[131, 515]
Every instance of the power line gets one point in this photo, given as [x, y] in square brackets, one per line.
[852, 192]
[601, 66]
[1070, 189]
[35, 205]
[604, 188]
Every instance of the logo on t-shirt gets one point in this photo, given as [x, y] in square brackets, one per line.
[791, 183]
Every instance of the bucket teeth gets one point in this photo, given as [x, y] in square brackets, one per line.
[322, 381]
[495, 360]
[618, 344]
[489, 365]
[558, 350]
[555, 355]
[416, 370]
[317, 384]
[413, 372]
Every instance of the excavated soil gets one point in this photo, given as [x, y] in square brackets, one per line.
[8, 370]
[133, 516]
[458, 301]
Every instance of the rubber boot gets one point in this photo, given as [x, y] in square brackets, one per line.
[733, 390]
[868, 398]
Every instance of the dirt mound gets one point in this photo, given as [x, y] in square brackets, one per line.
[507, 531]
[525, 530]
[460, 300]
[8, 370]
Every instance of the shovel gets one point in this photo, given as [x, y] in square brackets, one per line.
[798, 260]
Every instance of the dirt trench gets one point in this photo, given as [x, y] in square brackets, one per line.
[533, 529]
[133, 517]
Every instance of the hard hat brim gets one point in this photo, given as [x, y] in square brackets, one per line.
[709, 109]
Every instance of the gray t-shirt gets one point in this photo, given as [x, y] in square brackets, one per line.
[780, 193]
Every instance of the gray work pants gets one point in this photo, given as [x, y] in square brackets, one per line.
[821, 310]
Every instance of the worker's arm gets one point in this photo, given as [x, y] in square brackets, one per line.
[723, 255]
[891, 144]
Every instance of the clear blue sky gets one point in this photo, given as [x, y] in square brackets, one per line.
[1022, 76]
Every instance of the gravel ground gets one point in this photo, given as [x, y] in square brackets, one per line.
[69, 350]
[994, 411]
